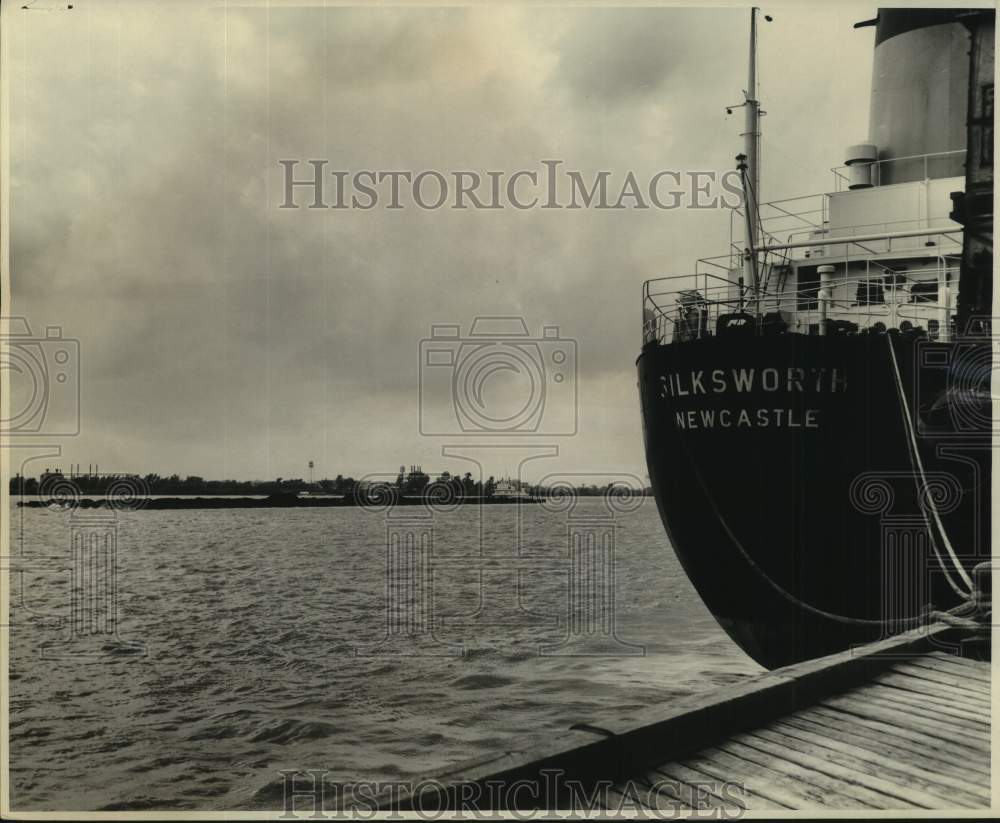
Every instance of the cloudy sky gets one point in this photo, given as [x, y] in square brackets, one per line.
[223, 336]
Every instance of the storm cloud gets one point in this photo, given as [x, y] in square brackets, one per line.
[225, 337]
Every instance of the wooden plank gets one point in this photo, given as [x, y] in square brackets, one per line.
[905, 720]
[933, 743]
[695, 789]
[937, 651]
[904, 767]
[935, 713]
[889, 794]
[930, 687]
[757, 786]
[957, 682]
[817, 678]
[983, 668]
[675, 792]
[836, 792]
[916, 691]
[976, 738]
[947, 666]
[940, 711]
[886, 744]
[980, 666]
[748, 798]
[950, 676]
[687, 725]
[760, 781]
[963, 710]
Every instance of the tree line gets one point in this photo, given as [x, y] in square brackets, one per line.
[414, 482]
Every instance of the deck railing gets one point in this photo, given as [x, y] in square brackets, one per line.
[882, 170]
[689, 307]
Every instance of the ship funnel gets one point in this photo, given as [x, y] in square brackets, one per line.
[919, 94]
[860, 162]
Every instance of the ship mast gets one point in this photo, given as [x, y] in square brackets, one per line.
[751, 136]
[750, 166]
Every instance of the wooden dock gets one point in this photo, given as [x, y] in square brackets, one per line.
[901, 724]
[917, 737]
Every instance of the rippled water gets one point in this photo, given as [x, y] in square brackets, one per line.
[262, 633]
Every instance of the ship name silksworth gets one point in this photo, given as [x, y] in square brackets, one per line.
[677, 385]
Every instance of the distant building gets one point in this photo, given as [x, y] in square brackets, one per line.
[505, 488]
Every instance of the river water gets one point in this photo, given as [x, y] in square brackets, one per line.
[306, 639]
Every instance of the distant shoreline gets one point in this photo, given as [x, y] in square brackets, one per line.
[274, 501]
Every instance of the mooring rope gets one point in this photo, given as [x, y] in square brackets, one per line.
[917, 465]
[911, 622]
[920, 478]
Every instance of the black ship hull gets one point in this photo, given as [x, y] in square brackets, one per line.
[785, 474]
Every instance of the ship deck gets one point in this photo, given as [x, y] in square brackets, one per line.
[899, 724]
